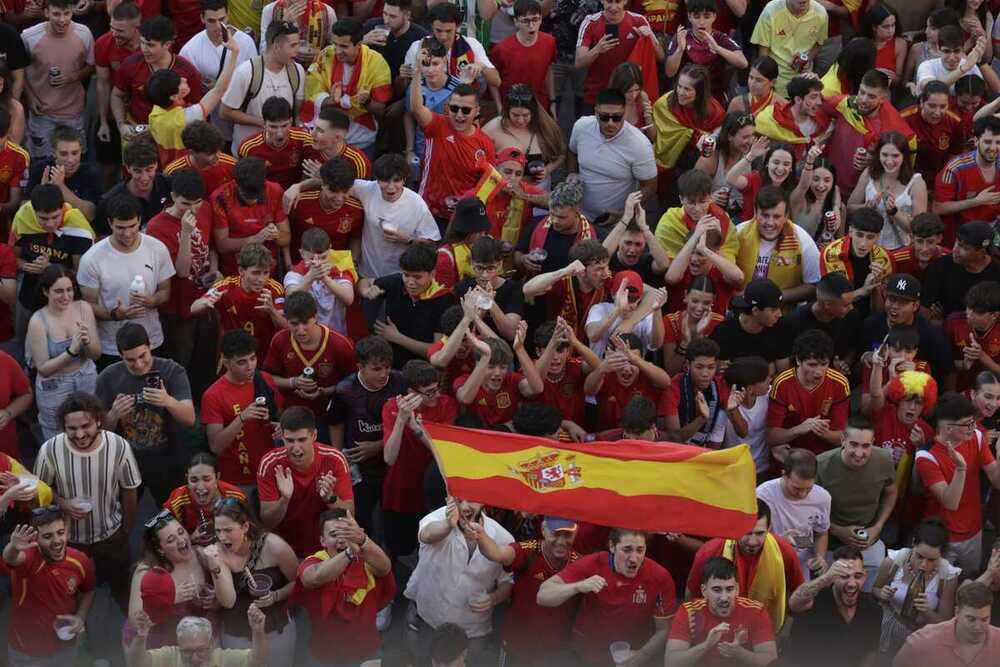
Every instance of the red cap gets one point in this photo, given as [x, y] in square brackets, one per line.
[158, 594]
[511, 153]
[630, 278]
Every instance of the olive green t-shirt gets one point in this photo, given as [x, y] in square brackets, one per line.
[855, 493]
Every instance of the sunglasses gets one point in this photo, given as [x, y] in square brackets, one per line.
[165, 516]
[610, 117]
[455, 108]
[223, 503]
[48, 509]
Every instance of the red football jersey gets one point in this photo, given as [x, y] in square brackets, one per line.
[894, 435]
[284, 165]
[528, 621]
[958, 331]
[8, 271]
[936, 144]
[459, 365]
[341, 224]
[189, 513]
[624, 610]
[362, 165]
[672, 326]
[453, 163]
[242, 221]
[613, 397]
[960, 180]
[791, 404]
[214, 177]
[300, 526]
[723, 292]
[904, 260]
[42, 590]
[566, 394]
[134, 72]
[237, 309]
[108, 54]
[14, 162]
[167, 228]
[332, 361]
[694, 620]
[935, 465]
[746, 566]
[221, 404]
[497, 407]
[403, 489]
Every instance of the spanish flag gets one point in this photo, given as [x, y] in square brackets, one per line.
[656, 487]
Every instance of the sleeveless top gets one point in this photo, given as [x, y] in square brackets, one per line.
[234, 621]
[57, 347]
[893, 236]
[901, 580]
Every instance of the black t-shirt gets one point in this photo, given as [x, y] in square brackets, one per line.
[417, 318]
[85, 183]
[61, 249]
[556, 244]
[159, 198]
[822, 628]
[946, 283]
[934, 346]
[861, 266]
[734, 341]
[844, 341]
[644, 267]
[395, 48]
[360, 411]
[508, 296]
[12, 50]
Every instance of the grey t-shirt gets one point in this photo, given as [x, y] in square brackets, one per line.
[147, 426]
[855, 494]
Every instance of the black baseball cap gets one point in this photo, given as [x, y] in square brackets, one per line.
[977, 233]
[761, 294]
[902, 285]
[470, 216]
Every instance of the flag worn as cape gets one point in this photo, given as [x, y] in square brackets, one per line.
[644, 56]
[661, 487]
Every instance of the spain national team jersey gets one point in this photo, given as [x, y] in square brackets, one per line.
[14, 163]
[189, 513]
[331, 362]
[452, 162]
[694, 620]
[342, 224]
[134, 72]
[936, 144]
[672, 326]
[242, 221]
[108, 54]
[214, 177]
[284, 164]
[960, 334]
[614, 396]
[791, 404]
[497, 407]
[40, 591]
[566, 393]
[962, 180]
[237, 309]
[362, 165]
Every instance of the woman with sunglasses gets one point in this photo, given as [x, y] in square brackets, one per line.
[733, 142]
[194, 502]
[62, 344]
[627, 79]
[525, 125]
[262, 570]
[170, 581]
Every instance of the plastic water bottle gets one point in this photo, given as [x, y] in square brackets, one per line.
[138, 285]
[355, 474]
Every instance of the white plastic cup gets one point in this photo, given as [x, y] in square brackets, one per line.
[478, 598]
[63, 629]
[620, 652]
[30, 482]
[83, 504]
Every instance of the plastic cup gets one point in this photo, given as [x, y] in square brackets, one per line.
[64, 629]
[260, 585]
[29, 481]
[85, 505]
[478, 598]
[620, 652]
[206, 595]
[204, 534]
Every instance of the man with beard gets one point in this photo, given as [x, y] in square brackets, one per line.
[831, 610]
[94, 477]
[721, 627]
[343, 586]
[110, 50]
[570, 290]
[800, 120]
[454, 581]
[937, 130]
[774, 247]
[301, 480]
[533, 562]
[50, 583]
[857, 120]
[968, 639]
[767, 566]
[622, 596]
[966, 189]
[629, 240]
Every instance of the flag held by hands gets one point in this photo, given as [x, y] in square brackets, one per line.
[656, 487]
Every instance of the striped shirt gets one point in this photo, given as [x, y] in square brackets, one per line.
[98, 475]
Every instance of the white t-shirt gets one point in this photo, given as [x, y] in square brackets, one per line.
[797, 520]
[207, 56]
[329, 309]
[409, 214]
[807, 246]
[756, 419]
[933, 70]
[643, 328]
[274, 84]
[111, 273]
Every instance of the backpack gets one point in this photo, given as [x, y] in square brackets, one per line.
[257, 81]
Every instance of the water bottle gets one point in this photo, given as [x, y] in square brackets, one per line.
[355, 474]
[138, 285]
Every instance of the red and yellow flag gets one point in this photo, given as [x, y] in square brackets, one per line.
[656, 487]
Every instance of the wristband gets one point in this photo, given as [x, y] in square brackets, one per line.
[75, 355]
[114, 314]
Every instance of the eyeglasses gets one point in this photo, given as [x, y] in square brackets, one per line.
[610, 117]
[529, 20]
[455, 108]
[430, 393]
[963, 426]
[165, 516]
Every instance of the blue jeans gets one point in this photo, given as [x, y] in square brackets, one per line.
[50, 393]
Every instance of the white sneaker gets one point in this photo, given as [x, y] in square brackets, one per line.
[384, 618]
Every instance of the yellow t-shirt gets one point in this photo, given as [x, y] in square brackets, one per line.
[785, 35]
[170, 656]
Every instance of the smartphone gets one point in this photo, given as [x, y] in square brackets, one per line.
[611, 30]
[225, 32]
[153, 379]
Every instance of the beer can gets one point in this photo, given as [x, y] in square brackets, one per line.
[54, 71]
[708, 146]
[308, 371]
[139, 129]
[260, 400]
[829, 217]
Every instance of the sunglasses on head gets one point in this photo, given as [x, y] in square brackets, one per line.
[48, 509]
[164, 516]
[455, 108]
[223, 503]
[610, 117]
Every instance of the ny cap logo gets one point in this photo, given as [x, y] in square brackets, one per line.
[901, 284]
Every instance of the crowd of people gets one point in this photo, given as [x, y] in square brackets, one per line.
[251, 250]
